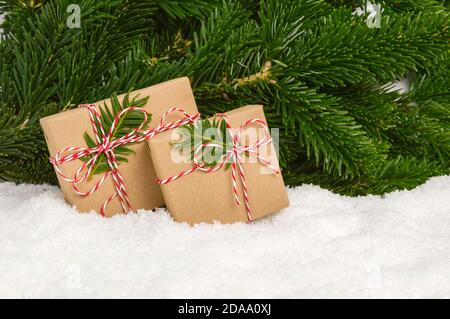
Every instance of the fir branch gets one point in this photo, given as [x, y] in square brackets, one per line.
[343, 50]
[323, 89]
[183, 9]
[203, 132]
[389, 175]
[129, 121]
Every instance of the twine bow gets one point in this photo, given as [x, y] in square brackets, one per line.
[234, 156]
[106, 145]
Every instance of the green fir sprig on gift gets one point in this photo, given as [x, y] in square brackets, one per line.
[128, 121]
[192, 136]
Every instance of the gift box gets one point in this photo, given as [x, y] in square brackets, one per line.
[223, 192]
[135, 179]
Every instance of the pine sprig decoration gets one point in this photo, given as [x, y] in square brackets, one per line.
[129, 121]
[214, 132]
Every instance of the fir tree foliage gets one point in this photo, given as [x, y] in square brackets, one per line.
[320, 71]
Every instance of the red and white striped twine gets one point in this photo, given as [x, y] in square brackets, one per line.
[233, 155]
[106, 145]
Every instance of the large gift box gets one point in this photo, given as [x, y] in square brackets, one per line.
[136, 175]
[194, 193]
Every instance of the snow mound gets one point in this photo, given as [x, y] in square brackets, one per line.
[324, 245]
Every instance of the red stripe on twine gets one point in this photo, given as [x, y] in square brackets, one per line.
[105, 145]
[235, 156]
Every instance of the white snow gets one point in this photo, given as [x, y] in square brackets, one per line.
[324, 245]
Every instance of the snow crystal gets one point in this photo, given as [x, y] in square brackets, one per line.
[324, 245]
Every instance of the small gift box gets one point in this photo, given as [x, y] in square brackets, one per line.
[104, 165]
[239, 182]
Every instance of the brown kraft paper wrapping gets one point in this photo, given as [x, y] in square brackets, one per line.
[208, 197]
[67, 128]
